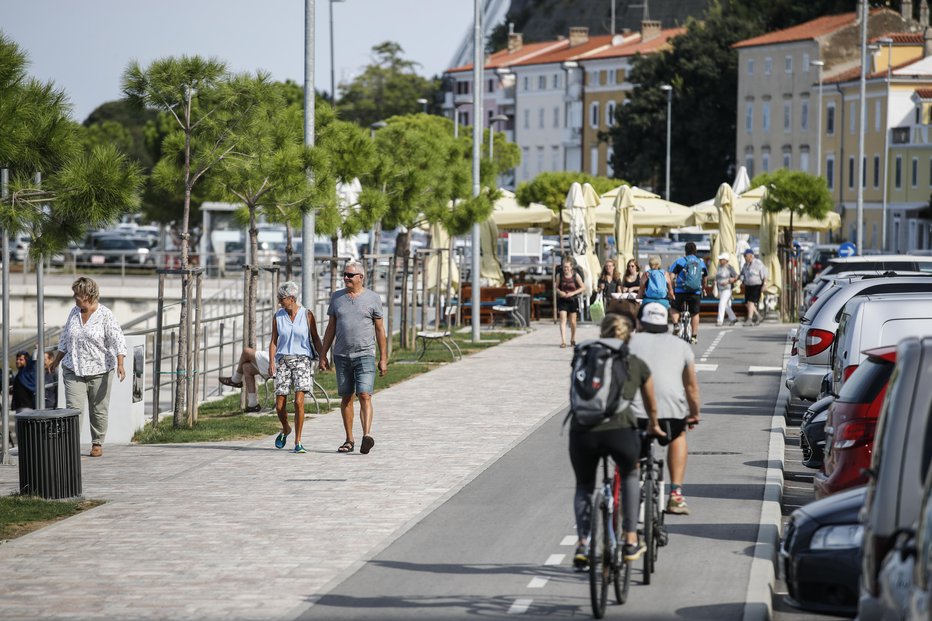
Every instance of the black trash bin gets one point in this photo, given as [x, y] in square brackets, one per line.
[522, 304]
[49, 453]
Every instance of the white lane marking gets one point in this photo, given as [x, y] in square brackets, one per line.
[706, 367]
[554, 559]
[764, 369]
[715, 342]
[537, 582]
[520, 606]
[569, 540]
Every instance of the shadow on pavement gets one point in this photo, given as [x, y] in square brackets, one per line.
[720, 532]
[713, 611]
[440, 607]
[726, 491]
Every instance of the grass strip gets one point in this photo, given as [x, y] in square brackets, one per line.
[20, 514]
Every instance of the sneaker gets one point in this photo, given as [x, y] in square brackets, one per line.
[718, 324]
[280, 440]
[633, 551]
[693, 340]
[299, 448]
[677, 504]
[252, 408]
[581, 558]
[732, 322]
[228, 381]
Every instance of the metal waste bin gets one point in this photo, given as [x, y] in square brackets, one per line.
[49, 453]
[522, 304]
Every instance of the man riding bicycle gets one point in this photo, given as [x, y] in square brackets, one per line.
[619, 437]
[689, 272]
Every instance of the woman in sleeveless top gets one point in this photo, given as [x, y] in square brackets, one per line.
[569, 287]
[609, 280]
[656, 284]
[631, 281]
[292, 353]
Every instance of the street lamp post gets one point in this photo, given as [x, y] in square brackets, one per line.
[862, 104]
[423, 103]
[669, 91]
[333, 88]
[886, 145]
[498, 118]
[818, 149]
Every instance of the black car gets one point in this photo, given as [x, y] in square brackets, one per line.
[821, 554]
[812, 433]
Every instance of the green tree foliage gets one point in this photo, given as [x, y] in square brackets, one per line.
[387, 87]
[797, 192]
[551, 188]
[79, 188]
[102, 124]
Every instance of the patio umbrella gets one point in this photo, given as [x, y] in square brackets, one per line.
[742, 181]
[624, 228]
[727, 236]
[512, 216]
[490, 268]
[591, 198]
[747, 214]
[652, 214]
[439, 238]
[769, 255]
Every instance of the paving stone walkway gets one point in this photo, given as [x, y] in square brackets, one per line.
[240, 530]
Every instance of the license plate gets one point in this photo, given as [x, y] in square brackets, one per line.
[98, 259]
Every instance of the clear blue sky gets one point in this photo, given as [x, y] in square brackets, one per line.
[84, 45]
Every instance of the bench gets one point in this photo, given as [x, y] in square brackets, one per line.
[489, 297]
[425, 338]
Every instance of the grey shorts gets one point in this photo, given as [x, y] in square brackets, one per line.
[354, 375]
[293, 374]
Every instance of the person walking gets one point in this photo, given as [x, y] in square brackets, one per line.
[676, 392]
[617, 436]
[689, 272]
[656, 284]
[354, 330]
[90, 346]
[293, 349]
[23, 386]
[753, 274]
[725, 277]
[252, 364]
[51, 382]
[569, 287]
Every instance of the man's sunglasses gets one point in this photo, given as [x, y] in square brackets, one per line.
[350, 274]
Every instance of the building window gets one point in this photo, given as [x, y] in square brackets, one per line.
[462, 87]
[877, 116]
[464, 118]
[611, 77]
[877, 171]
[787, 116]
[610, 113]
[914, 173]
[556, 116]
[765, 161]
[765, 116]
[898, 173]
[527, 119]
[593, 78]
[749, 118]
[750, 66]
[804, 116]
[804, 161]
[864, 172]
[788, 64]
[594, 115]
[787, 157]
[768, 65]
[541, 82]
[851, 172]
[540, 159]
[527, 83]
[540, 118]
[930, 171]
[918, 116]
[830, 119]
[525, 156]
[853, 120]
[749, 164]
[806, 62]
[491, 86]
[555, 158]
[556, 80]
[830, 172]
[594, 161]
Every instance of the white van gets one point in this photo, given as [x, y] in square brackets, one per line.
[873, 321]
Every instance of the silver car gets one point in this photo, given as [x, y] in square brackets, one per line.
[870, 264]
[818, 327]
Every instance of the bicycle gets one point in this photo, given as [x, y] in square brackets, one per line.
[685, 330]
[652, 515]
[606, 563]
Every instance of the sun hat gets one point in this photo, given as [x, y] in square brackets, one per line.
[724, 255]
[748, 251]
[654, 317]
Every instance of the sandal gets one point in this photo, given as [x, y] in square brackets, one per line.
[367, 444]
[347, 447]
[562, 345]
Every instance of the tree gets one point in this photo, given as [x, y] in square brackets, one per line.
[387, 87]
[797, 192]
[209, 108]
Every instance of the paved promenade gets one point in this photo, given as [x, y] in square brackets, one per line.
[240, 530]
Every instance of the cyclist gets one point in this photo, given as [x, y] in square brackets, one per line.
[617, 436]
[656, 284]
[676, 391]
[689, 272]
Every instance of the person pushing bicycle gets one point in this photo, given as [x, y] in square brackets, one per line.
[617, 436]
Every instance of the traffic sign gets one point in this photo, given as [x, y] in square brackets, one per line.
[847, 249]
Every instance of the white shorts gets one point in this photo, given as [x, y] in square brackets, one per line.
[262, 362]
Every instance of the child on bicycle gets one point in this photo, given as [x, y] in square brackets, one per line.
[617, 436]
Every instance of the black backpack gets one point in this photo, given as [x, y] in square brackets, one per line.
[600, 369]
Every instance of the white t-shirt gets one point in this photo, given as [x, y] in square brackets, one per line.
[666, 356]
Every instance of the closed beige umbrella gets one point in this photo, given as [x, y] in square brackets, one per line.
[651, 216]
[747, 215]
[591, 199]
[490, 268]
[769, 254]
[727, 236]
[579, 235]
[624, 227]
[439, 238]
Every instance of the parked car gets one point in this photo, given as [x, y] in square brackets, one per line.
[119, 250]
[821, 554]
[873, 264]
[818, 326]
[920, 590]
[851, 422]
[819, 258]
[812, 433]
[874, 320]
[901, 458]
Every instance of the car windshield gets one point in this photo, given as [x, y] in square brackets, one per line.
[867, 381]
[825, 296]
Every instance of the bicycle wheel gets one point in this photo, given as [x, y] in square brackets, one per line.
[687, 327]
[650, 503]
[600, 560]
[622, 568]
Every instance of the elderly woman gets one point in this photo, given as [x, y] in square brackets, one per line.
[90, 346]
[293, 350]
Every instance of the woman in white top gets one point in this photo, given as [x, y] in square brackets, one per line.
[90, 346]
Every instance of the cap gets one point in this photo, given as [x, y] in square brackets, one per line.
[724, 255]
[654, 317]
[748, 251]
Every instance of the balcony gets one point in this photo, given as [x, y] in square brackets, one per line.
[572, 136]
[900, 135]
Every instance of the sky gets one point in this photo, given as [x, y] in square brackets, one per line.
[83, 46]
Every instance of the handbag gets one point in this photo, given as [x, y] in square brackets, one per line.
[597, 309]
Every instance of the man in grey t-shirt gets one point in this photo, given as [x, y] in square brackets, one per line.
[354, 330]
[676, 390]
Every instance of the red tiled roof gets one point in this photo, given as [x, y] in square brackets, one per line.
[802, 32]
[855, 73]
[565, 52]
[924, 93]
[637, 46]
[504, 58]
[903, 38]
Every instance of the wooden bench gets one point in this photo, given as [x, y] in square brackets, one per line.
[488, 297]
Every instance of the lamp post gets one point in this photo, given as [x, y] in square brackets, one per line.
[862, 101]
[818, 64]
[376, 127]
[498, 118]
[669, 91]
[423, 103]
[886, 145]
[333, 88]
[568, 67]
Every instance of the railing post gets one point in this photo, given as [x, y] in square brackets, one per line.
[157, 360]
[196, 344]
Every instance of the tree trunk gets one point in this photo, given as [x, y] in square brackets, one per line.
[252, 290]
[181, 377]
[334, 247]
[289, 250]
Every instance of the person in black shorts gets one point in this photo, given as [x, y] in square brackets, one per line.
[569, 287]
[685, 296]
[753, 275]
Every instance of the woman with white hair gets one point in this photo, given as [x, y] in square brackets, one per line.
[293, 350]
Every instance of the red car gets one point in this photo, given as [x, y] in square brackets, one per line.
[852, 420]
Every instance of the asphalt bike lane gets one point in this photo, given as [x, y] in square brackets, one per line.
[502, 546]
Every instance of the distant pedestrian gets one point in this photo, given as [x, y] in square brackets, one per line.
[609, 282]
[725, 278]
[676, 393]
[354, 330]
[753, 274]
[631, 280]
[293, 349]
[51, 382]
[689, 272]
[569, 287]
[23, 386]
[252, 364]
[656, 284]
[90, 346]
